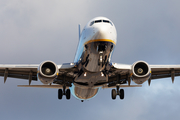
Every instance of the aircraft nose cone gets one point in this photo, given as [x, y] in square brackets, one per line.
[102, 32]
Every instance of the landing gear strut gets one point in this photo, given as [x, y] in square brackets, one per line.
[116, 92]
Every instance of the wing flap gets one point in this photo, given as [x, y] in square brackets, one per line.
[44, 86]
[121, 86]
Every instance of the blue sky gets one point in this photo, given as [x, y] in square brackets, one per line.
[34, 31]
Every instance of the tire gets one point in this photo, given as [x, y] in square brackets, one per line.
[68, 94]
[121, 94]
[113, 94]
[60, 94]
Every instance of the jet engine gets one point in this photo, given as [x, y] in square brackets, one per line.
[47, 72]
[140, 72]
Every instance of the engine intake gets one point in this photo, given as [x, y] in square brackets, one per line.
[48, 68]
[141, 69]
[47, 72]
[141, 72]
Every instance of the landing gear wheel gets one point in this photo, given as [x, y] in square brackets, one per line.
[113, 94]
[121, 94]
[68, 94]
[60, 94]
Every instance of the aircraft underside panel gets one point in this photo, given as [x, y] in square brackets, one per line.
[96, 56]
[83, 93]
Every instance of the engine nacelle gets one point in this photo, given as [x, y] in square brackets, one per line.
[47, 72]
[140, 72]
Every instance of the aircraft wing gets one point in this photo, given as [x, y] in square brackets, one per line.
[124, 72]
[29, 71]
[68, 72]
[19, 71]
[164, 71]
[44, 86]
[120, 72]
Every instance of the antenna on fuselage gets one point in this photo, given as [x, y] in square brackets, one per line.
[79, 26]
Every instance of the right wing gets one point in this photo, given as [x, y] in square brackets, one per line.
[44, 86]
[19, 71]
[29, 72]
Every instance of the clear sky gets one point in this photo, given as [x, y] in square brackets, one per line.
[33, 31]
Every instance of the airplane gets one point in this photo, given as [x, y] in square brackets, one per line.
[92, 68]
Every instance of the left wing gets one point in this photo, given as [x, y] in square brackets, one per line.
[164, 71]
[121, 73]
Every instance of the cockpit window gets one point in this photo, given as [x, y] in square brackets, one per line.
[91, 23]
[98, 21]
[107, 21]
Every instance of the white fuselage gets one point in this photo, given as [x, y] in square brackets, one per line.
[93, 55]
[96, 32]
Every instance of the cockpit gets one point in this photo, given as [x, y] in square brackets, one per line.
[99, 21]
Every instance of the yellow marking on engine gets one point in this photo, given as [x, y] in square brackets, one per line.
[57, 74]
[100, 40]
[131, 74]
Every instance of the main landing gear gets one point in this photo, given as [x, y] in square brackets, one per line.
[116, 92]
[64, 92]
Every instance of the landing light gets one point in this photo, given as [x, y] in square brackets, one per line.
[100, 58]
[85, 74]
[102, 74]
